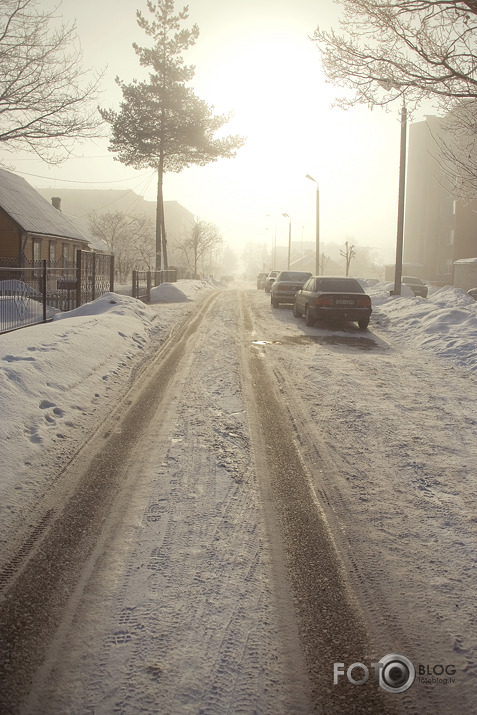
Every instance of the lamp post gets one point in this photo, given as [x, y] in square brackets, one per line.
[289, 238]
[317, 225]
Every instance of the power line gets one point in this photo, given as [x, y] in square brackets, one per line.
[119, 198]
[74, 181]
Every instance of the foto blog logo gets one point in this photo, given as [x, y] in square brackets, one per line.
[393, 673]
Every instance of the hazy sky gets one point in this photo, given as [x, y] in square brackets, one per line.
[255, 58]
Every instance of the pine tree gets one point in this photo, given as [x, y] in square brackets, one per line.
[161, 123]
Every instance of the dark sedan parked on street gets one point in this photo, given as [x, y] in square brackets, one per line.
[286, 285]
[334, 299]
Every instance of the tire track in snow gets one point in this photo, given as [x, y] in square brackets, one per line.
[332, 625]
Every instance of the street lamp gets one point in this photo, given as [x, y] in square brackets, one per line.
[317, 225]
[289, 238]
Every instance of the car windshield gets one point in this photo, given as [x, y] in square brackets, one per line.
[293, 276]
[338, 285]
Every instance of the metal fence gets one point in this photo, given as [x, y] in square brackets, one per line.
[96, 275]
[143, 281]
[34, 293]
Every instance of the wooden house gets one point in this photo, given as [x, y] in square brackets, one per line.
[32, 229]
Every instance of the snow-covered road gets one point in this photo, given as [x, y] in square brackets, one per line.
[389, 435]
[193, 593]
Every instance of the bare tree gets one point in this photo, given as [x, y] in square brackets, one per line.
[413, 50]
[46, 99]
[348, 254]
[324, 260]
[203, 238]
[393, 48]
[129, 238]
[455, 150]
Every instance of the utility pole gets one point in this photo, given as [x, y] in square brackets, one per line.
[402, 194]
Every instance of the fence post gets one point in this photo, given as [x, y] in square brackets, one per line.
[111, 273]
[43, 289]
[134, 292]
[78, 277]
[148, 286]
[93, 286]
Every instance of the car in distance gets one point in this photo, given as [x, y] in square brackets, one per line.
[417, 286]
[261, 280]
[334, 299]
[270, 279]
[285, 286]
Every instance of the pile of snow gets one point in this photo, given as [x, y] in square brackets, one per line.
[111, 304]
[443, 324]
[58, 378]
[180, 292]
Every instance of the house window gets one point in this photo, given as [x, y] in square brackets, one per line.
[52, 252]
[36, 251]
[65, 254]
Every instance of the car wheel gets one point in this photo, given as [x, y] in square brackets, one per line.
[363, 324]
[308, 319]
[296, 311]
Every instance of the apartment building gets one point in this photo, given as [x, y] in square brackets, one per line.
[438, 230]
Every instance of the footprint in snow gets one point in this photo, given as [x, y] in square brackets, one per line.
[34, 437]
[18, 358]
[46, 404]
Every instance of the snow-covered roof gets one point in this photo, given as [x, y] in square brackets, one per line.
[32, 212]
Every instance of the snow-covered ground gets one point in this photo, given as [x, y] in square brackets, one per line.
[387, 420]
[443, 325]
[58, 381]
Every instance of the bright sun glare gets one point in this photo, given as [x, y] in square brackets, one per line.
[272, 82]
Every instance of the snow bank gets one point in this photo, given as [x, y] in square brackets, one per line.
[180, 292]
[444, 324]
[56, 377]
[112, 304]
